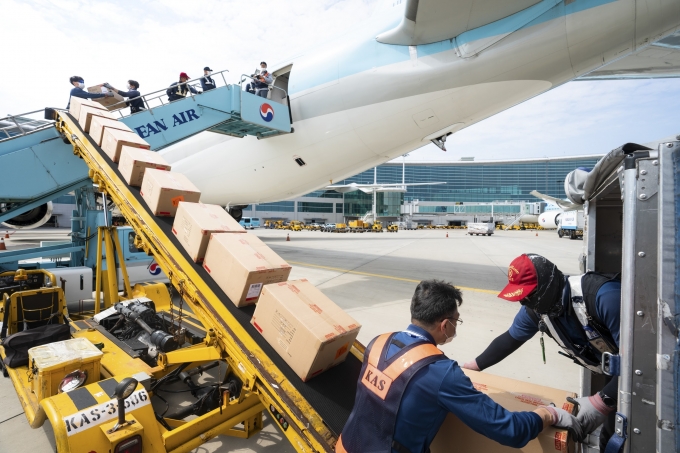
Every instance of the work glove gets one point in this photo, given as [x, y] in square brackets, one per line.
[471, 365]
[563, 419]
[109, 94]
[108, 86]
[592, 411]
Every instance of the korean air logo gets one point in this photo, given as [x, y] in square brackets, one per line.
[266, 112]
[154, 269]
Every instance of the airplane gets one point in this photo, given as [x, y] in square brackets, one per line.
[373, 188]
[416, 72]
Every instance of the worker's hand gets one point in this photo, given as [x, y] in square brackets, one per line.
[109, 94]
[108, 86]
[471, 365]
[592, 411]
[563, 419]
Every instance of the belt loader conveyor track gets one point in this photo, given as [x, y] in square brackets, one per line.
[315, 411]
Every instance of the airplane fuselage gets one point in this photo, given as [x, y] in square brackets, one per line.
[357, 103]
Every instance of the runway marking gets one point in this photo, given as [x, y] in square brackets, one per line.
[389, 277]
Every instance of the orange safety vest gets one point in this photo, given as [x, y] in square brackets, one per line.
[370, 426]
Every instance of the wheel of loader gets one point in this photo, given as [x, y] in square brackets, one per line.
[560, 233]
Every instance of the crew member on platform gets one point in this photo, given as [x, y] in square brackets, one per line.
[179, 90]
[581, 313]
[407, 386]
[261, 82]
[135, 102]
[207, 82]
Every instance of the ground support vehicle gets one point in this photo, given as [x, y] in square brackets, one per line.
[632, 207]
[393, 228]
[340, 228]
[295, 225]
[480, 229]
[377, 227]
[328, 228]
[192, 328]
[571, 224]
[358, 226]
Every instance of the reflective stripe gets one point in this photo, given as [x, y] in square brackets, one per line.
[339, 448]
[407, 360]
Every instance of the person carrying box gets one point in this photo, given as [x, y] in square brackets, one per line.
[79, 92]
[407, 386]
[136, 103]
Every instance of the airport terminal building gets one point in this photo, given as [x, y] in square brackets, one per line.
[470, 187]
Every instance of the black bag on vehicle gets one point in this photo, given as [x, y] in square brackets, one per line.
[17, 345]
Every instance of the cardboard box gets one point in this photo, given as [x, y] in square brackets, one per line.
[114, 140]
[87, 113]
[99, 123]
[195, 222]
[75, 104]
[307, 329]
[163, 190]
[134, 162]
[512, 395]
[116, 102]
[241, 264]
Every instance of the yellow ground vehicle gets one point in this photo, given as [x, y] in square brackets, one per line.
[377, 227]
[357, 226]
[394, 228]
[296, 225]
[340, 228]
[201, 329]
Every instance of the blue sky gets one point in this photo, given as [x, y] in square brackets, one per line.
[152, 41]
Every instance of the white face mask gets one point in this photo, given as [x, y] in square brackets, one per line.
[448, 338]
[130, 87]
[81, 84]
[263, 70]
[208, 73]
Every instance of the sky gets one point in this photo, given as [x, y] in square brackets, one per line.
[152, 41]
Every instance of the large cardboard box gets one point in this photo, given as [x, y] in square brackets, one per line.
[195, 222]
[114, 140]
[88, 113]
[75, 104]
[135, 161]
[163, 190]
[307, 329]
[99, 123]
[241, 264]
[110, 103]
[513, 395]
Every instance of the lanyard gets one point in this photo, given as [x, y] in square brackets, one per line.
[414, 334]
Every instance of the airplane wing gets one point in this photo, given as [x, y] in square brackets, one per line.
[428, 21]
[564, 204]
[658, 60]
[370, 188]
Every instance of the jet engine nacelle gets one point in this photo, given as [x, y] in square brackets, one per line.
[34, 218]
[549, 219]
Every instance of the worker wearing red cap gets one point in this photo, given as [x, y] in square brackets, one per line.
[179, 90]
[581, 313]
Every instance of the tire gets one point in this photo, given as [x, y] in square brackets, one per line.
[488, 234]
[236, 213]
[560, 233]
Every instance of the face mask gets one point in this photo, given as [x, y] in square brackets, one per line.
[81, 84]
[263, 71]
[209, 73]
[130, 87]
[448, 338]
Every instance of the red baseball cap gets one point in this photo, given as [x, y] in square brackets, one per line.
[522, 279]
[184, 74]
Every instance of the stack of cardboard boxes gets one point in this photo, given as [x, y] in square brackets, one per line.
[309, 331]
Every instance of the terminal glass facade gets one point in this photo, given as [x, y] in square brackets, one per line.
[466, 183]
[479, 181]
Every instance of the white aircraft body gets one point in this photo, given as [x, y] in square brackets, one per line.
[416, 71]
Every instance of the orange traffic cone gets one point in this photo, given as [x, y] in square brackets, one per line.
[6, 234]
[288, 237]
[2, 244]
[447, 234]
[537, 233]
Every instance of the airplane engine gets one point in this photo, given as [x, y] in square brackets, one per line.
[34, 218]
[548, 219]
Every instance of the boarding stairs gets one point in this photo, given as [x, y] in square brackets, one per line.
[44, 167]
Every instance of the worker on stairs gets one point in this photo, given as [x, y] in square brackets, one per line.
[180, 90]
[78, 91]
[135, 102]
[581, 313]
[407, 386]
[207, 82]
[261, 82]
